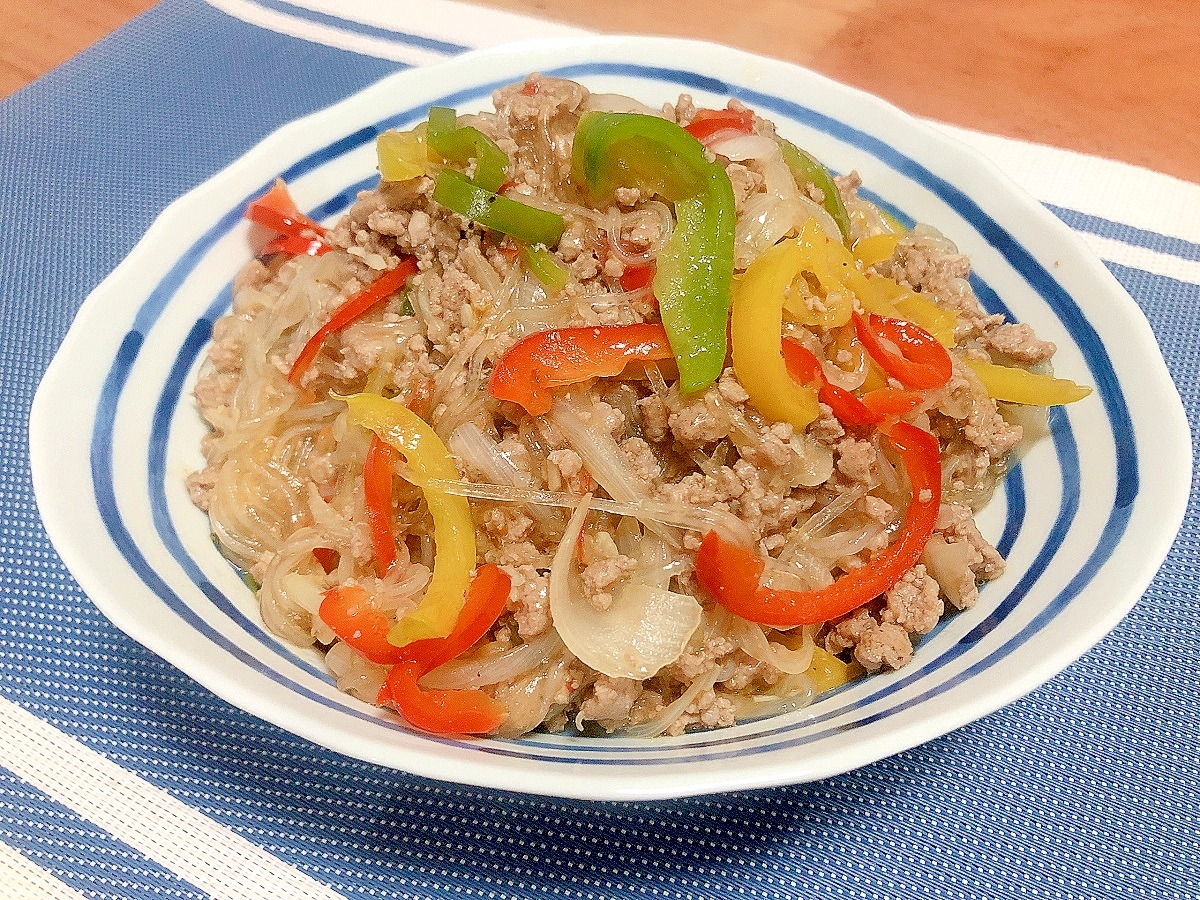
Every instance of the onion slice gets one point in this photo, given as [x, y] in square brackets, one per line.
[752, 640]
[643, 630]
[476, 671]
[739, 146]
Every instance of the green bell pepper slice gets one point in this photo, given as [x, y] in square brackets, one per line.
[807, 170]
[525, 223]
[462, 144]
[545, 268]
[695, 268]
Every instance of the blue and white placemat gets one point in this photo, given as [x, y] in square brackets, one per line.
[122, 778]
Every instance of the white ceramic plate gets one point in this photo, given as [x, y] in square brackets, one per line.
[1084, 521]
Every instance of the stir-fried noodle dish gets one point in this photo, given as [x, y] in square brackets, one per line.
[611, 419]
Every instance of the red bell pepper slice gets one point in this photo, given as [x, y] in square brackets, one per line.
[294, 245]
[469, 711]
[636, 277]
[441, 711]
[348, 611]
[278, 211]
[731, 573]
[709, 123]
[327, 557]
[805, 368]
[563, 356]
[358, 305]
[378, 470]
[918, 361]
[887, 403]
[350, 614]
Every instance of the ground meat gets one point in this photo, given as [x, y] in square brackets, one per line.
[877, 509]
[874, 644]
[682, 111]
[253, 276]
[506, 524]
[607, 418]
[745, 182]
[914, 603]
[1017, 341]
[952, 565]
[519, 553]
[655, 417]
[225, 352]
[640, 232]
[574, 240]
[702, 655]
[856, 459]
[643, 464]
[528, 600]
[730, 388]
[955, 522]
[926, 261]
[990, 431]
[827, 428]
[609, 702]
[848, 184]
[568, 463]
[585, 266]
[446, 296]
[699, 420]
[603, 567]
[715, 711]
[200, 486]
[213, 392]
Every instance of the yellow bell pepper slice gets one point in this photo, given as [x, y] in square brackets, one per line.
[813, 253]
[887, 297]
[453, 529]
[880, 295]
[756, 330]
[828, 672]
[402, 154]
[876, 248]
[1019, 386]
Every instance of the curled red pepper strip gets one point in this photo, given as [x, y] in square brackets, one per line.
[378, 470]
[805, 368]
[536, 364]
[350, 614]
[348, 611]
[277, 211]
[294, 245]
[917, 361]
[891, 404]
[441, 711]
[359, 304]
[731, 573]
[708, 123]
[469, 711]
